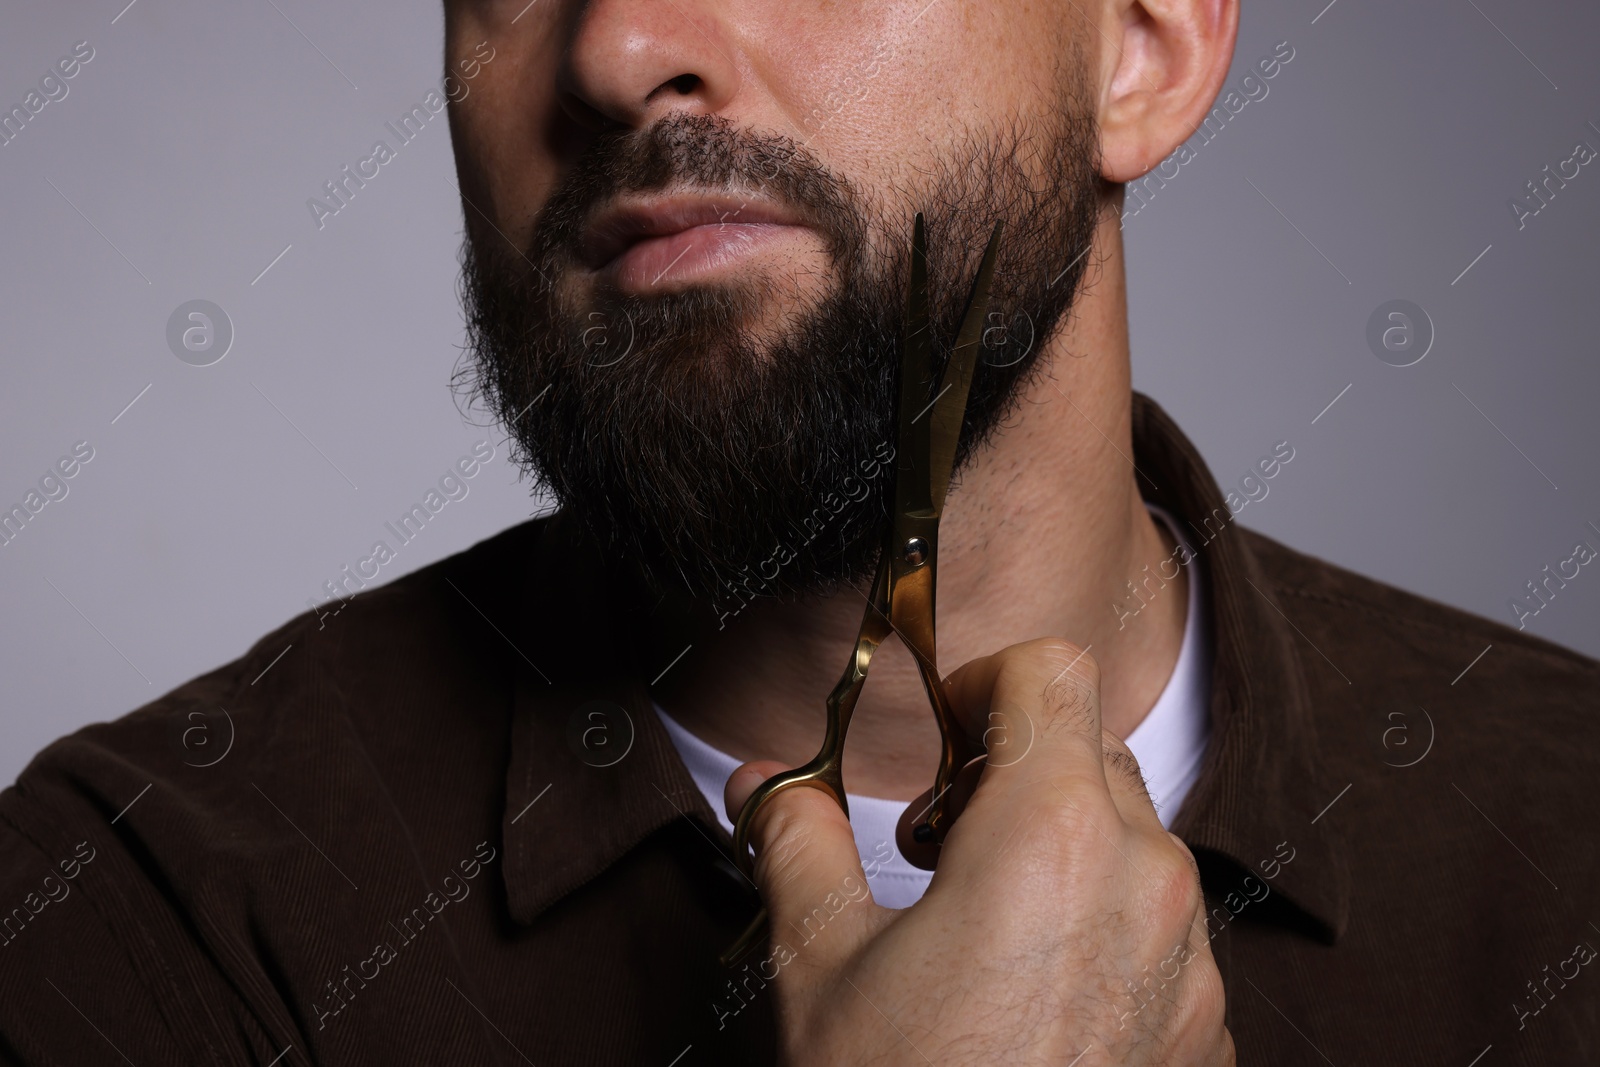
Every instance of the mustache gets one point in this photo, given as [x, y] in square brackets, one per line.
[706, 152]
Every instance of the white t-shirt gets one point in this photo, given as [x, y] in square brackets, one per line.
[1168, 745]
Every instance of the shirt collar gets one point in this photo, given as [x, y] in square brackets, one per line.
[1261, 783]
[592, 771]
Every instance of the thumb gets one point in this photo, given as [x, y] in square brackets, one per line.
[806, 866]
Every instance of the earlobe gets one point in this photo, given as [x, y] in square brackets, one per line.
[1167, 68]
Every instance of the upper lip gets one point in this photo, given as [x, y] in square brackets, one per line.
[623, 223]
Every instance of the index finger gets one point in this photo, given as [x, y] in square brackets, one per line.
[1043, 696]
[1063, 713]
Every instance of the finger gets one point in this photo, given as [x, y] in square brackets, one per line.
[1051, 801]
[743, 781]
[1197, 939]
[1205, 997]
[1046, 695]
[1127, 785]
[1125, 781]
[806, 866]
[1004, 737]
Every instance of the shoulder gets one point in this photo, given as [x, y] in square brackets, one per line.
[1392, 637]
[286, 679]
[1452, 765]
[135, 854]
[1466, 746]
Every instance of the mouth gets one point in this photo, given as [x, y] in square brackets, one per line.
[665, 242]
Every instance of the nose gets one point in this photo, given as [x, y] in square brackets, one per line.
[632, 62]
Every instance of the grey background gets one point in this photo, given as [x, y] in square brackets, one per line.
[220, 501]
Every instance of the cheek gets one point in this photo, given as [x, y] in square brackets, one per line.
[880, 91]
[503, 126]
[826, 85]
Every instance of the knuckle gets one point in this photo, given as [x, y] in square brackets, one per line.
[1064, 659]
[1206, 999]
[1061, 676]
[1054, 656]
[1228, 1056]
[1184, 851]
[1068, 704]
[1175, 891]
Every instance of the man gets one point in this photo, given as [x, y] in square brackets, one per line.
[481, 815]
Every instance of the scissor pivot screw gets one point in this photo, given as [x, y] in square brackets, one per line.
[915, 551]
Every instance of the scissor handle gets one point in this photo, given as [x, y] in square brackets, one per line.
[821, 773]
[956, 751]
[824, 771]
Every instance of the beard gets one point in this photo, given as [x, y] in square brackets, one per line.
[727, 464]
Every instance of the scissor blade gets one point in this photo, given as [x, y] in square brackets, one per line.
[916, 376]
[950, 408]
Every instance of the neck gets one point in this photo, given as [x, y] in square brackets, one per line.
[1039, 537]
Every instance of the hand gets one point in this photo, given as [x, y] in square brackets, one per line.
[1062, 926]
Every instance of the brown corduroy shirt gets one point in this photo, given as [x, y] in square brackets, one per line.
[444, 826]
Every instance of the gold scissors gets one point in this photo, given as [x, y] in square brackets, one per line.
[902, 600]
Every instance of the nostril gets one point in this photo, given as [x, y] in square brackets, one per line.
[675, 89]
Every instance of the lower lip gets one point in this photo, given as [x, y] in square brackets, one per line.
[658, 264]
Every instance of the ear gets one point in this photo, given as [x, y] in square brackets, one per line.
[1163, 64]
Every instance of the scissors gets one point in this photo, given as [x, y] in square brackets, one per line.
[902, 600]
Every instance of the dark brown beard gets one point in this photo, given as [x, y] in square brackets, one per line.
[729, 467]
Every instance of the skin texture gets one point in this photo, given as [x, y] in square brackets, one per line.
[1057, 886]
